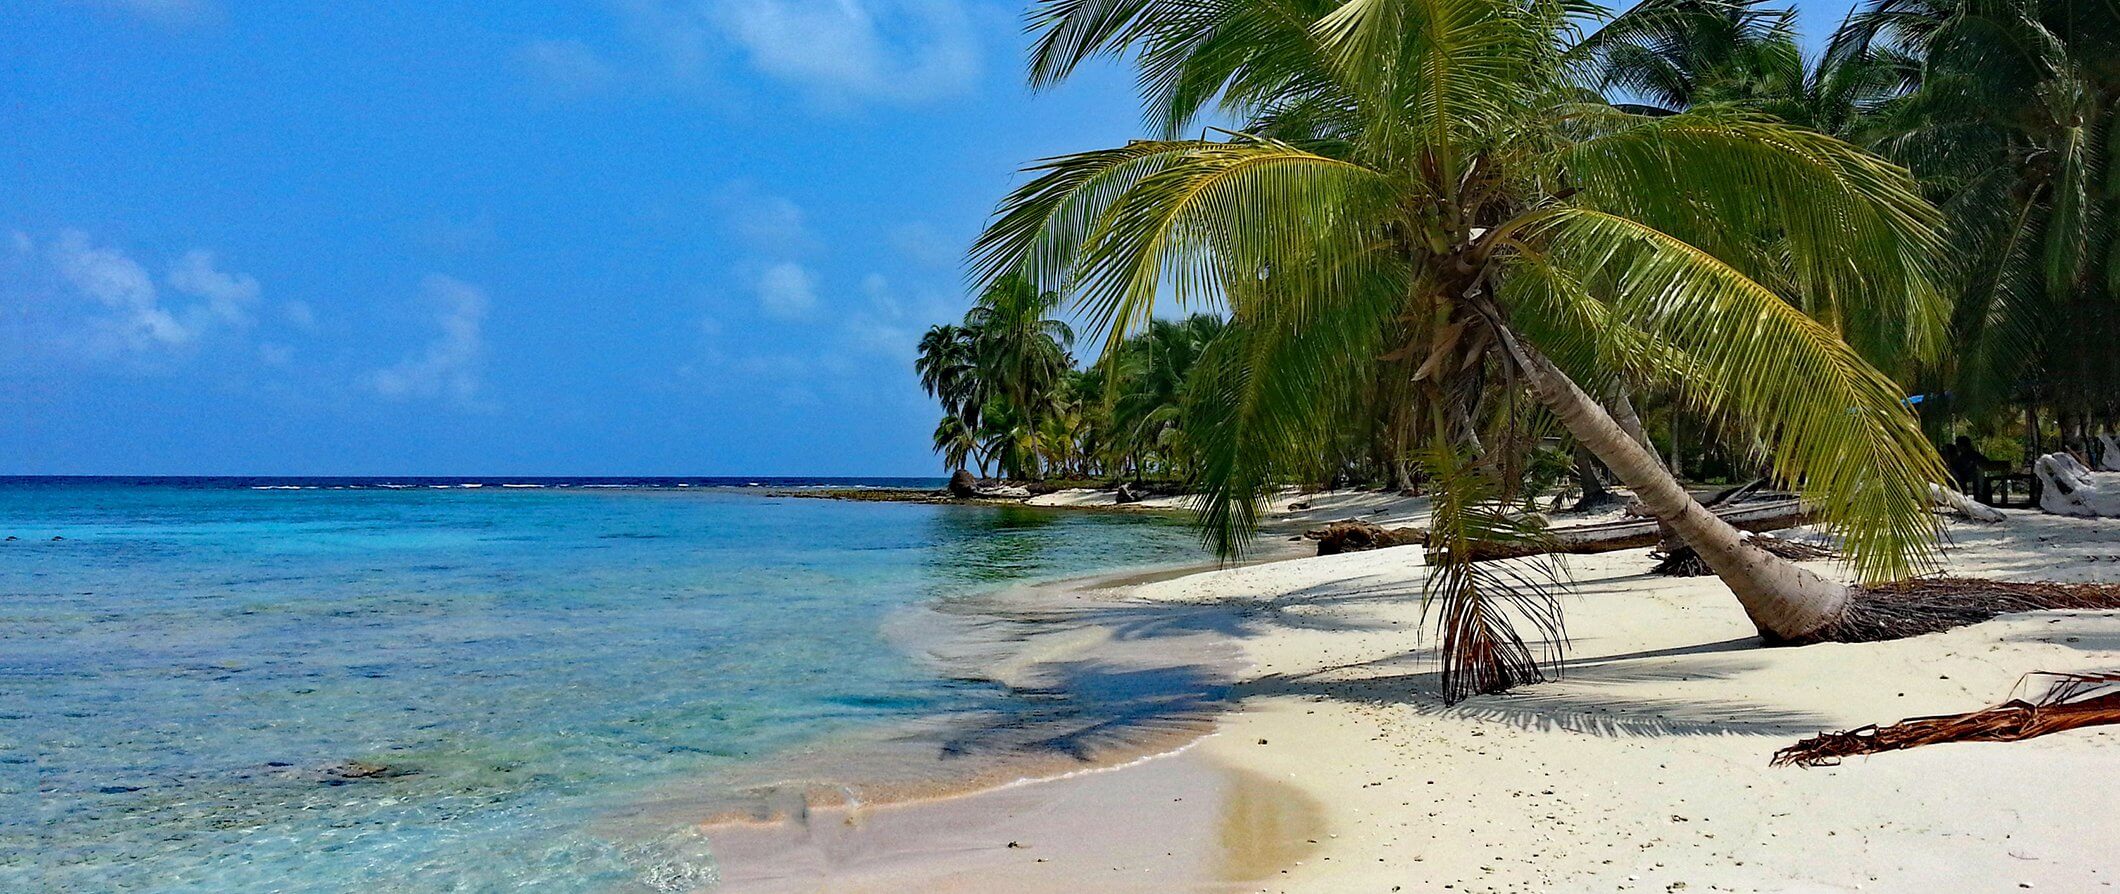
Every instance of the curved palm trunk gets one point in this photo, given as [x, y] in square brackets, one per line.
[1787, 603]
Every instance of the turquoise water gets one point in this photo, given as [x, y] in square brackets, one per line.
[450, 688]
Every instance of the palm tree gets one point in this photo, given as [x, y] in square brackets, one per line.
[1154, 368]
[949, 371]
[1665, 56]
[1020, 348]
[2011, 121]
[1432, 179]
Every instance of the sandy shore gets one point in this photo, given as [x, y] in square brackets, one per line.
[1643, 769]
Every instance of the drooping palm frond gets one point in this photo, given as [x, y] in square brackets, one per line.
[1831, 423]
[1475, 605]
[1847, 232]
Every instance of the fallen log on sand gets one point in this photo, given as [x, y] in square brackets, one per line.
[1614, 536]
[1579, 540]
[1947, 498]
[2069, 701]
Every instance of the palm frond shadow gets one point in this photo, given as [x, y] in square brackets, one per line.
[1592, 703]
[1092, 708]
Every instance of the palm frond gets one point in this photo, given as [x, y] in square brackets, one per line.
[1833, 425]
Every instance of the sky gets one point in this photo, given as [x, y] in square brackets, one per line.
[456, 237]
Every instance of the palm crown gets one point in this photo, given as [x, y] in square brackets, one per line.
[1430, 189]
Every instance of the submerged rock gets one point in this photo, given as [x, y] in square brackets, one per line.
[346, 771]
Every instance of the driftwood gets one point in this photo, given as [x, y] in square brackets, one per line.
[1614, 536]
[1356, 536]
[2069, 701]
[1946, 498]
[1350, 536]
[1682, 561]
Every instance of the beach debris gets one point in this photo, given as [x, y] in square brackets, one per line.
[2066, 701]
[2067, 487]
[1931, 604]
[1124, 494]
[1956, 502]
[1682, 561]
[1356, 536]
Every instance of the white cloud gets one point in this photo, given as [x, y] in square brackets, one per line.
[787, 291]
[569, 65]
[837, 50]
[451, 365]
[111, 278]
[884, 49]
[228, 297]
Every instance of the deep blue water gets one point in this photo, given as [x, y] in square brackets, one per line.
[195, 674]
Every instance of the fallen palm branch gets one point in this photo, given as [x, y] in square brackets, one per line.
[2069, 701]
[1682, 561]
[1927, 605]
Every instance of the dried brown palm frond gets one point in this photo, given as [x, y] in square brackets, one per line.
[1477, 604]
[1930, 604]
[2067, 701]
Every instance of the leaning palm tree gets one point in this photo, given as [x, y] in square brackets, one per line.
[1435, 179]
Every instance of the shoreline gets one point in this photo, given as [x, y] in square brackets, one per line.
[1643, 767]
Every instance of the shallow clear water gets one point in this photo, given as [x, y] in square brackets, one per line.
[186, 674]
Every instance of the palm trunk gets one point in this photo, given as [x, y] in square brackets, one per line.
[1629, 421]
[1786, 603]
[1594, 492]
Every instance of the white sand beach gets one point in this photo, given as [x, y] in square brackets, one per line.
[1643, 768]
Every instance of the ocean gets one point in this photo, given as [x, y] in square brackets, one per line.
[320, 685]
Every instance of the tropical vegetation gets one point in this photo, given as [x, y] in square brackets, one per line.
[1441, 236]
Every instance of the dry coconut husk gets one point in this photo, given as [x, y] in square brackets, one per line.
[1931, 604]
[2068, 701]
[1682, 561]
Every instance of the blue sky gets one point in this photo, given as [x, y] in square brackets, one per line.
[684, 237]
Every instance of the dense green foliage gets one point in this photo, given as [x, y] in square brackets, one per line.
[1013, 397]
[1439, 226]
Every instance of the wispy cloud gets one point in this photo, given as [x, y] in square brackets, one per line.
[879, 49]
[787, 291]
[229, 297]
[902, 51]
[130, 311]
[451, 366]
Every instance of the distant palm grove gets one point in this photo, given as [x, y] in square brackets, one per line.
[1014, 400]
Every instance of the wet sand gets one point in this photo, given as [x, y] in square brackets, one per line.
[1176, 822]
